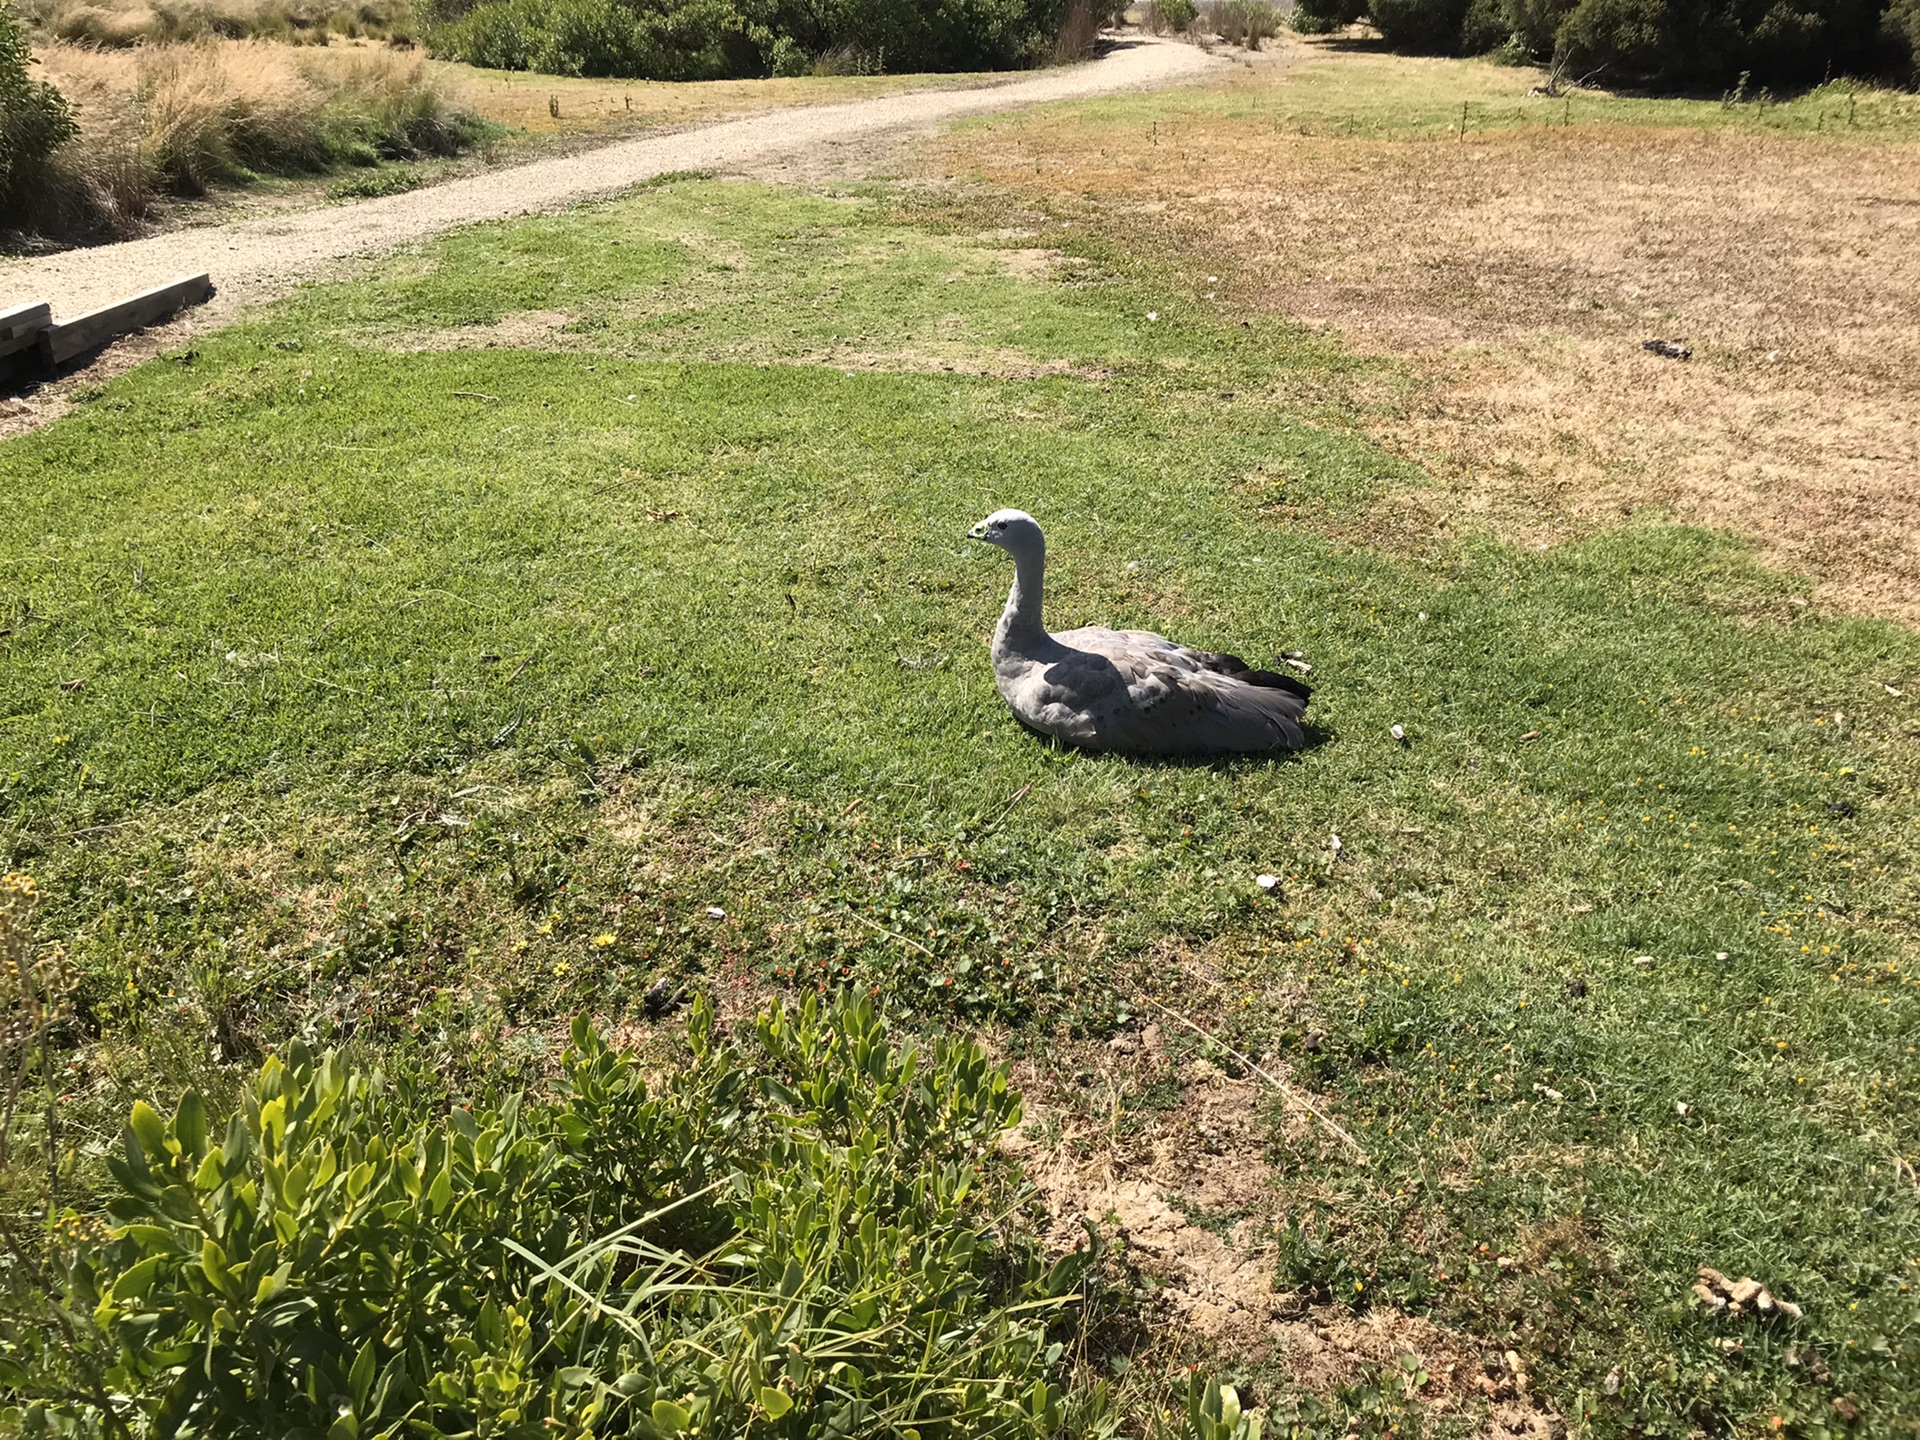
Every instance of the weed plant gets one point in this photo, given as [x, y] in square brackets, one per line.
[793, 1233]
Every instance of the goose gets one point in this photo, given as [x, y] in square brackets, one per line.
[1127, 690]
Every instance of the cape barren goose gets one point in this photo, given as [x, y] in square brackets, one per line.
[1128, 690]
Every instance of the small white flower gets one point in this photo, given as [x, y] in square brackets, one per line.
[1153, 315]
[1213, 279]
[1267, 882]
[1333, 844]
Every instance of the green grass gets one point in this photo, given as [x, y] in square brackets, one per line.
[417, 699]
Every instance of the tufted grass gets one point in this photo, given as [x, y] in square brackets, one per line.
[416, 697]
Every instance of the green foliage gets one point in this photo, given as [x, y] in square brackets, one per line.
[788, 1235]
[1323, 17]
[1213, 1413]
[1169, 17]
[711, 39]
[1420, 26]
[1668, 44]
[34, 117]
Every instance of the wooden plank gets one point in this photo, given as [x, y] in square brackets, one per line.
[60, 343]
[20, 325]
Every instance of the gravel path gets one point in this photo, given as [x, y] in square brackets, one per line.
[253, 260]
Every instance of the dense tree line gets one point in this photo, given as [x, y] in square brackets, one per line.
[1669, 44]
[712, 39]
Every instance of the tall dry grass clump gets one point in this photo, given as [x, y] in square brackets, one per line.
[175, 120]
[1168, 17]
[217, 112]
[225, 112]
[1079, 32]
[123, 23]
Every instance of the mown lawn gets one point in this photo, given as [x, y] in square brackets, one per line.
[414, 698]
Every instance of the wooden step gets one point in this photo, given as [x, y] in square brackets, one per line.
[60, 343]
[20, 326]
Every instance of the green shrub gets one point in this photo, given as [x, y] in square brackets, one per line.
[1243, 22]
[1669, 44]
[1430, 27]
[1683, 43]
[1323, 17]
[35, 119]
[711, 39]
[791, 1234]
[1628, 40]
[1535, 23]
[1488, 26]
[1900, 41]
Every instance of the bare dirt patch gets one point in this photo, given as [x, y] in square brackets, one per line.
[1520, 270]
[1167, 1158]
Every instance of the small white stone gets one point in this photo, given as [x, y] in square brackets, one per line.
[1680, 1107]
[1267, 882]
[1643, 962]
[1333, 844]
[1398, 733]
[714, 912]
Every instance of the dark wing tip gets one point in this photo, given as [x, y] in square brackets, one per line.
[1274, 680]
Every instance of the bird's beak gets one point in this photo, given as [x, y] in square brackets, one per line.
[978, 532]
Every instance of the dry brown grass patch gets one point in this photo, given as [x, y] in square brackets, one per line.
[1520, 270]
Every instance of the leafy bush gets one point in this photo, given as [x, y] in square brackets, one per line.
[790, 1235]
[1900, 41]
[1323, 17]
[711, 39]
[1431, 27]
[34, 117]
[1671, 44]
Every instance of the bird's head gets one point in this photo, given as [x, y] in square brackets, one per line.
[1014, 531]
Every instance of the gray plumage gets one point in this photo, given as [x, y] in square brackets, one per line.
[1129, 690]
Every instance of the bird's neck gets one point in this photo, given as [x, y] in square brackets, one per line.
[1020, 622]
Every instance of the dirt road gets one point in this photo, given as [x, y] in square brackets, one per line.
[253, 260]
